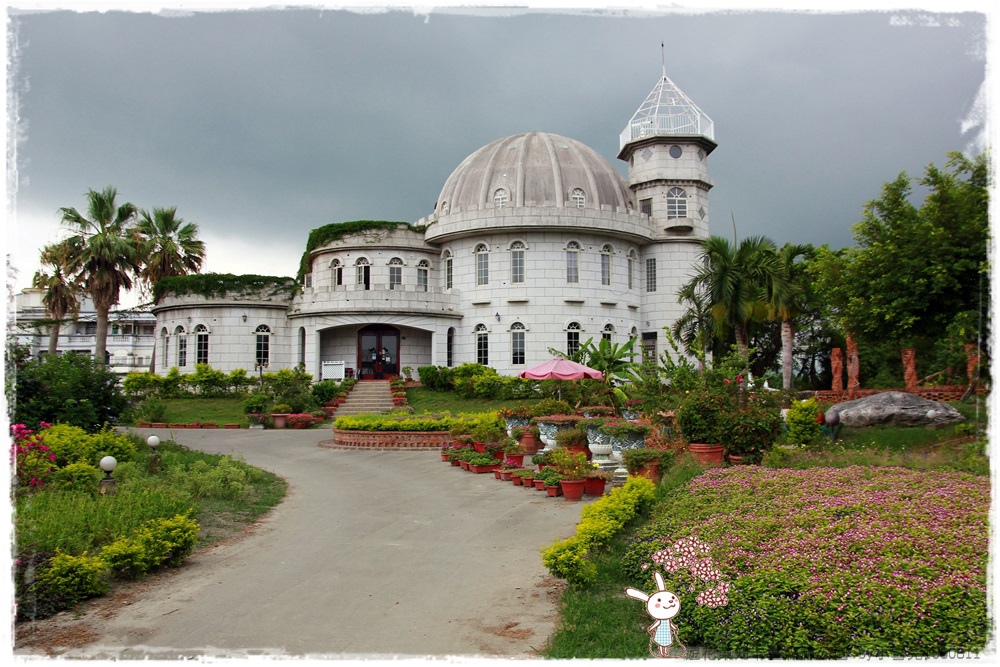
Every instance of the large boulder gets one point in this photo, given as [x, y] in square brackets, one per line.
[898, 408]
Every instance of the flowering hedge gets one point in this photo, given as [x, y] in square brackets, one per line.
[832, 562]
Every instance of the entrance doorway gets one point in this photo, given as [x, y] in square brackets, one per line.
[378, 352]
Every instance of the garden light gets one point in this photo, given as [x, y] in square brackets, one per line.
[107, 486]
[154, 460]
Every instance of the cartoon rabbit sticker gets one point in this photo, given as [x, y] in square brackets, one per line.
[662, 606]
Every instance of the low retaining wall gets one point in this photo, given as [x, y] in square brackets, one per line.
[944, 393]
[391, 439]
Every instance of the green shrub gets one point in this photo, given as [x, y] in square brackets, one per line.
[226, 479]
[68, 580]
[108, 442]
[209, 382]
[803, 429]
[256, 403]
[152, 410]
[141, 385]
[174, 384]
[324, 391]
[239, 381]
[436, 378]
[551, 406]
[81, 477]
[281, 408]
[750, 431]
[70, 444]
[160, 542]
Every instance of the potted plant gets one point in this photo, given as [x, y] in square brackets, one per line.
[542, 459]
[279, 414]
[573, 439]
[550, 479]
[527, 436]
[630, 410]
[513, 450]
[750, 431]
[573, 468]
[496, 450]
[628, 434]
[701, 418]
[457, 453]
[515, 416]
[596, 480]
[300, 420]
[480, 463]
[484, 433]
[460, 434]
[518, 476]
[647, 462]
[591, 411]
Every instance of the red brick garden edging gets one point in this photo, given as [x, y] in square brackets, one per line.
[391, 439]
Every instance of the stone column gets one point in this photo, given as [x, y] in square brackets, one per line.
[973, 360]
[909, 356]
[853, 369]
[837, 366]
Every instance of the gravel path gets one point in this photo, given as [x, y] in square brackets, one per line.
[371, 554]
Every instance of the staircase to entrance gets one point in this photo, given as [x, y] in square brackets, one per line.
[367, 396]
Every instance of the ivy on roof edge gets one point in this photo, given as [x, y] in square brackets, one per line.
[335, 231]
[213, 285]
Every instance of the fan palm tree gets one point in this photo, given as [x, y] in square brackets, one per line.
[105, 259]
[787, 301]
[167, 246]
[62, 291]
[738, 281]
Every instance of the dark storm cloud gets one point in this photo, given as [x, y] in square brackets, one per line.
[256, 121]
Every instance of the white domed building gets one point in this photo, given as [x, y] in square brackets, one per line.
[536, 242]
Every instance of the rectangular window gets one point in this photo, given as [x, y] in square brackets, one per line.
[448, 273]
[572, 342]
[395, 276]
[338, 276]
[263, 349]
[572, 266]
[631, 271]
[482, 268]
[649, 347]
[164, 353]
[182, 351]
[308, 280]
[651, 274]
[646, 206]
[364, 276]
[517, 348]
[517, 266]
[422, 280]
[201, 349]
[605, 269]
[483, 349]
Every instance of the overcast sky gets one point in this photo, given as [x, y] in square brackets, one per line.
[262, 125]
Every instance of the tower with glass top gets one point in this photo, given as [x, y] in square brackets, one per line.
[666, 144]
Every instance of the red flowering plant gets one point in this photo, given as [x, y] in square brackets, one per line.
[300, 420]
[32, 459]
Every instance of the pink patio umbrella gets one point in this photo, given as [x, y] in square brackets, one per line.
[560, 369]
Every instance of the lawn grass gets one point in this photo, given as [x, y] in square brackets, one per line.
[422, 399]
[205, 410]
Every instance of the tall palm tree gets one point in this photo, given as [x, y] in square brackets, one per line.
[106, 259]
[62, 291]
[167, 245]
[788, 301]
[695, 328]
[738, 281]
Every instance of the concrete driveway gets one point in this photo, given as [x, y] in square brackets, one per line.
[372, 553]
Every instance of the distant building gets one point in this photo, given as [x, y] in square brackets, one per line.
[535, 242]
[131, 334]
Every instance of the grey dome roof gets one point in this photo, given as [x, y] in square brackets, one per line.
[534, 169]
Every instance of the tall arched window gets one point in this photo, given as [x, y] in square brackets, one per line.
[164, 353]
[482, 264]
[517, 262]
[482, 345]
[517, 344]
[423, 268]
[500, 198]
[572, 338]
[572, 262]
[449, 270]
[630, 268]
[263, 345]
[606, 251]
[609, 330]
[676, 203]
[395, 272]
[364, 271]
[338, 272]
[579, 198]
[182, 346]
[201, 344]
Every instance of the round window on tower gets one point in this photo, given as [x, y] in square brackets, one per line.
[675, 151]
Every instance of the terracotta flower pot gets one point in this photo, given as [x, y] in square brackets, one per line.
[480, 447]
[516, 458]
[528, 482]
[554, 491]
[594, 486]
[572, 488]
[540, 484]
[713, 455]
[506, 475]
[518, 481]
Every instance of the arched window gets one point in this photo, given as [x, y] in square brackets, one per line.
[500, 198]
[364, 271]
[423, 268]
[338, 272]
[201, 344]
[395, 272]
[517, 262]
[482, 253]
[164, 353]
[182, 346]
[444, 208]
[572, 338]
[572, 262]
[676, 203]
[449, 271]
[609, 330]
[579, 198]
[482, 345]
[517, 344]
[606, 252]
[263, 357]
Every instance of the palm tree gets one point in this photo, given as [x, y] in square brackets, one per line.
[738, 281]
[105, 258]
[695, 328]
[62, 292]
[787, 301]
[167, 246]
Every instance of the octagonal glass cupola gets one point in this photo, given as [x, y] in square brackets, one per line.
[667, 111]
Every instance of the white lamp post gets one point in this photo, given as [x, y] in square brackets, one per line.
[107, 486]
[154, 460]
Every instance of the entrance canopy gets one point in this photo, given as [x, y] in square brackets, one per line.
[560, 369]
